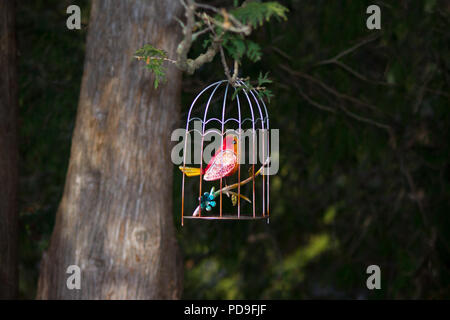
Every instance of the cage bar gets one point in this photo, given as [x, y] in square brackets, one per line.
[230, 111]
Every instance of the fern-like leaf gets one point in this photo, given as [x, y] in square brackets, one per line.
[154, 59]
[235, 45]
[253, 51]
[256, 13]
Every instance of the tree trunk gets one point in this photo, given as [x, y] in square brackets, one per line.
[115, 218]
[8, 152]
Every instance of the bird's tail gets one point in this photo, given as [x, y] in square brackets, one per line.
[190, 172]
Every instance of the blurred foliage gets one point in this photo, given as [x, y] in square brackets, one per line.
[50, 69]
[364, 174]
[363, 181]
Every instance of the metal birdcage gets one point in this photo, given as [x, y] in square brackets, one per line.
[228, 111]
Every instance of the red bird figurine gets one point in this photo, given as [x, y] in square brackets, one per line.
[223, 164]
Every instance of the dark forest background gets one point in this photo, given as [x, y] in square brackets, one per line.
[364, 172]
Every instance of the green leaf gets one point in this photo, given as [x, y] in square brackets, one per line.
[154, 59]
[260, 90]
[256, 13]
[150, 51]
[253, 51]
[207, 43]
[263, 79]
[235, 46]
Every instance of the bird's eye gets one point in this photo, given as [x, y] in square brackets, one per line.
[234, 141]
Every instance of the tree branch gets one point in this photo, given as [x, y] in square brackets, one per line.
[328, 88]
[238, 28]
[225, 65]
[348, 51]
[235, 72]
[194, 27]
[186, 43]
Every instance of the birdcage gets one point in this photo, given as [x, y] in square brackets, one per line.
[229, 182]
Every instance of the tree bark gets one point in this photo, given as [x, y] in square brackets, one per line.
[115, 218]
[8, 153]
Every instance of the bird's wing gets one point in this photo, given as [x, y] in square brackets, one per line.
[221, 165]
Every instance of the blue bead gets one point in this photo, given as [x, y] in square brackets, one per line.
[212, 203]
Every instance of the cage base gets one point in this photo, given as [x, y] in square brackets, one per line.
[227, 217]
